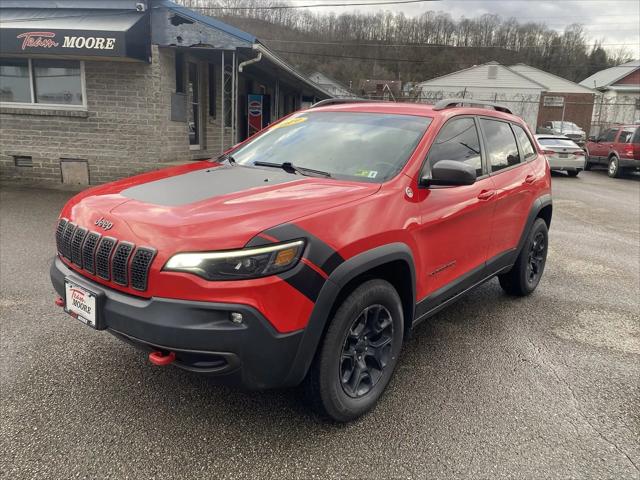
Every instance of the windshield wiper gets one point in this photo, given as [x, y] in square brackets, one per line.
[227, 157]
[291, 168]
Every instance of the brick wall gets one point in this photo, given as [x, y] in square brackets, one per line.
[578, 109]
[125, 130]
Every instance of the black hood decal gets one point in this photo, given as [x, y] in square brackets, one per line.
[204, 184]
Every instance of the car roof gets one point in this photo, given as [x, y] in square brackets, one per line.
[418, 109]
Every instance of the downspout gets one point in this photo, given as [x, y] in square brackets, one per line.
[241, 65]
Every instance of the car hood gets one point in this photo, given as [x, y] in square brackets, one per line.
[211, 206]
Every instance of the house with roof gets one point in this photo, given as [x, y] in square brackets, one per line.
[380, 89]
[92, 91]
[533, 94]
[331, 85]
[619, 95]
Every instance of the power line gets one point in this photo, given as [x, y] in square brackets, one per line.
[409, 60]
[420, 45]
[318, 5]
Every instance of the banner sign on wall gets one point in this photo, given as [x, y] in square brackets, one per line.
[254, 113]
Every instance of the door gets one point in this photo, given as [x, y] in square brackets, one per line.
[455, 221]
[603, 146]
[513, 180]
[193, 112]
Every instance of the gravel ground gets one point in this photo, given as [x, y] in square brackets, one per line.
[542, 387]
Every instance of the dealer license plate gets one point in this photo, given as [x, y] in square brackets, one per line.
[80, 303]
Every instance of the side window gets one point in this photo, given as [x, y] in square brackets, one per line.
[458, 140]
[525, 142]
[502, 149]
[610, 136]
[625, 136]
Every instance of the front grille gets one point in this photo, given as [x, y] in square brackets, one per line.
[140, 264]
[89, 252]
[120, 263]
[59, 232]
[105, 257]
[67, 235]
[76, 245]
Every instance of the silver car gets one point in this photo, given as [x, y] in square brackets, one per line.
[568, 129]
[563, 153]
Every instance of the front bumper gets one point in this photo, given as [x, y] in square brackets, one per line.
[251, 354]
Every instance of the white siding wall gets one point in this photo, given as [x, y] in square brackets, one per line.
[613, 108]
[513, 90]
[524, 102]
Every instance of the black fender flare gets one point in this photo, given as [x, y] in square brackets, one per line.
[341, 276]
[538, 204]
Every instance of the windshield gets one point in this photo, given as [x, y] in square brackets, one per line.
[370, 147]
[557, 142]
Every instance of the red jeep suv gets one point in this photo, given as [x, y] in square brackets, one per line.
[309, 252]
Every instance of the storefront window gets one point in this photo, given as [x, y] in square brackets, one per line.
[57, 82]
[50, 82]
[14, 81]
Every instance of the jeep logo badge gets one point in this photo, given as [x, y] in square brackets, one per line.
[104, 224]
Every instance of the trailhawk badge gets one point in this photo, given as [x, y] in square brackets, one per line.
[104, 223]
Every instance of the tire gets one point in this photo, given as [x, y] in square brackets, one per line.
[587, 163]
[525, 275]
[350, 373]
[614, 170]
[573, 173]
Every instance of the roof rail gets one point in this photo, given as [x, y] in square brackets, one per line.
[454, 102]
[338, 101]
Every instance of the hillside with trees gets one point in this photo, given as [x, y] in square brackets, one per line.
[354, 46]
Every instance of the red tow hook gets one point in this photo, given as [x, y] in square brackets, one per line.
[160, 359]
[60, 302]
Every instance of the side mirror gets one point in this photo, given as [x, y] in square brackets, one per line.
[592, 138]
[449, 173]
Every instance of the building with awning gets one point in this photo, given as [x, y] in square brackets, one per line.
[92, 90]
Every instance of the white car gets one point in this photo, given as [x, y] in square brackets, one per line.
[563, 153]
[567, 129]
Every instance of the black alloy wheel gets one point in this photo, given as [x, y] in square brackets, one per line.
[525, 275]
[366, 350]
[358, 353]
[537, 257]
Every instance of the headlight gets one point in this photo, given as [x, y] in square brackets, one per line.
[239, 264]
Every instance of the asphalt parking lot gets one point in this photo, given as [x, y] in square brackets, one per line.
[542, 387]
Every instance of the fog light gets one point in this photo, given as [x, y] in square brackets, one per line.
[236, 317]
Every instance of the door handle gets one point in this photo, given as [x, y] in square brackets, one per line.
[529, 179]
[486, 194]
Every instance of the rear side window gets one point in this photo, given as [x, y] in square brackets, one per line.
[502, 149]
[525, 142]
[458, 140]
[610, 135]
[626, 136]
[636, 136]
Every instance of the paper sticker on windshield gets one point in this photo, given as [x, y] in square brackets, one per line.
[367, 173]
[289, 122]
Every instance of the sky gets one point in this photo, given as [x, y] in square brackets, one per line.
[612, 22]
